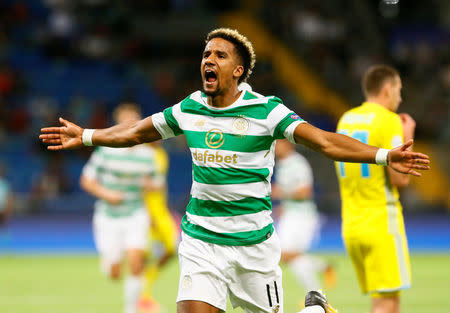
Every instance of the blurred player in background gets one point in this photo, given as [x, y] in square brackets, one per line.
[229, 247]
[6, 198]
[299, 220]
[372, 220]
[118, 177]
[163, 231]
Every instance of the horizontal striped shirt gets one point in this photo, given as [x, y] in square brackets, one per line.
[292, 173]
[232, 152]
[123, 170]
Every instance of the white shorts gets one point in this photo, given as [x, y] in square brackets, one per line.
[297, 230]
[113, 236]
[249, 275]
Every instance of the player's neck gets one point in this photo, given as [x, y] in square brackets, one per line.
[224, 100]
[380, 101]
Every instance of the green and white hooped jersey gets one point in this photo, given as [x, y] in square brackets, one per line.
[292, 173]
[232, 152]
[121, 169]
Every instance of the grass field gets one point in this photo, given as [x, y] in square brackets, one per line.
[73, 284]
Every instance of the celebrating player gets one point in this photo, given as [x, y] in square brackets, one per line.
[228, 242]
[117, 177]
[372, 221]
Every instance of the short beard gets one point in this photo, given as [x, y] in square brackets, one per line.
[213, 94]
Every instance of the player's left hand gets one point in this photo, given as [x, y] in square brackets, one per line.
[407, 162]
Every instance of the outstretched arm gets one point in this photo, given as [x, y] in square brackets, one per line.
[69, 135]
[343, 148]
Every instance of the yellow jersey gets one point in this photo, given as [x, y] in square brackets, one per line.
[370, 204]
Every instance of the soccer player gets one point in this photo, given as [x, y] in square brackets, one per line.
[229, 246]
[372, 221]
[299, 220]
[117, 177]
[163, 231]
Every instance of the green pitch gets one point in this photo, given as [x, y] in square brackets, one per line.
[73, 284]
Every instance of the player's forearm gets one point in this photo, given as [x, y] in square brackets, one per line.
[334, 146]
[152, 185]
[94, 188]
[126, 134]
[120, 135]
[302, 193]
[346, 149]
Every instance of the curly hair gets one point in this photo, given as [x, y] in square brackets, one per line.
[243, 47]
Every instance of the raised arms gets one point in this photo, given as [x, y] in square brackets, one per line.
[343, 148]
[128, 134]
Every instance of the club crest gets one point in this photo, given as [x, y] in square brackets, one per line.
[241, 125]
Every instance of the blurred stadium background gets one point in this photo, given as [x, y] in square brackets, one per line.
[79, 59]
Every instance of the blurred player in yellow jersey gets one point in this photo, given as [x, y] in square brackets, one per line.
[372, 220]
[163, 233]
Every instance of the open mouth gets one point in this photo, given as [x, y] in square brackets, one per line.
[210, 76]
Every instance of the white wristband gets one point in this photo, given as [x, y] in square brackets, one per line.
[86, 137]
[381, 158]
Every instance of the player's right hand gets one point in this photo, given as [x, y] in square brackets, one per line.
[65, 137]
[114, 198]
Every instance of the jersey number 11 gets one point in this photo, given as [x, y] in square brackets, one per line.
[363, 136]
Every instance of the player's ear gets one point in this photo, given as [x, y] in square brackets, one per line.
[238, 71]
[386, 89]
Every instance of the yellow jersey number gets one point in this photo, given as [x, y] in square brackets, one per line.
[363, 136]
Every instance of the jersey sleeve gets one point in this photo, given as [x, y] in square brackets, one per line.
[392, 135]
[94, 164]
[283, 120]
[166, 123]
